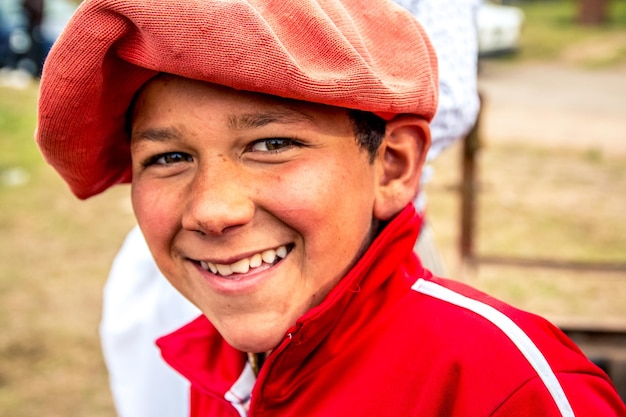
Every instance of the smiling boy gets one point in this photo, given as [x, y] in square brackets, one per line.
[274, 149]
[255, 206]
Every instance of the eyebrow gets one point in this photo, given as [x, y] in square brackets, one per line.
[260, 119]
[235, 122]
[157, 134]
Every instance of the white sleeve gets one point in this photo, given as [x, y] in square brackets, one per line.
[139, 306]
[451, 27]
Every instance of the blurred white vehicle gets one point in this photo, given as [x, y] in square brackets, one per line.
[499, 28]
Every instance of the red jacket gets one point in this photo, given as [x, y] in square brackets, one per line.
[391, 340]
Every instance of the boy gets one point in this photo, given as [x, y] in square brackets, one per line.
[139, 304]
[274, 149]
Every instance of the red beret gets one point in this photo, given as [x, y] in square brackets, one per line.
[358, 54]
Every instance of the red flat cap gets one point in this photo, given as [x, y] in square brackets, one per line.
[359, 54]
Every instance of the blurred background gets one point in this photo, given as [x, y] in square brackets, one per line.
[531, 207]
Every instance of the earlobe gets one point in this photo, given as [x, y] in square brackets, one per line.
[400, 160]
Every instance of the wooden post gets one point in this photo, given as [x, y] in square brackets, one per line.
[468, 189]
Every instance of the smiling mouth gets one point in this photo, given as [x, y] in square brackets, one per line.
[243, 266]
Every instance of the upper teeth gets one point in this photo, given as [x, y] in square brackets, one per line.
[244, 265]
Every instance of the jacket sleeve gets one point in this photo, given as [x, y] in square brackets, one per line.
[587, 395]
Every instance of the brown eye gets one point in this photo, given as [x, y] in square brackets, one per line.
[271, 145]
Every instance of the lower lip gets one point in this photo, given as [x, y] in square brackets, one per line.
[237, 284]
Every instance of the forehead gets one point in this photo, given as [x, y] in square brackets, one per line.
[167, 94]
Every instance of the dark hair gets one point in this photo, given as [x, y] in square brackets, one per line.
[369, 130]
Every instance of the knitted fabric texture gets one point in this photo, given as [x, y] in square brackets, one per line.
[357, 54]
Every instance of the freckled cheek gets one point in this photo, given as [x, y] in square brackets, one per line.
[156, 215]
[312, 195]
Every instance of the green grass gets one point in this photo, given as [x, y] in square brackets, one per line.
[552, 32]
[54, 257]
[17, 125]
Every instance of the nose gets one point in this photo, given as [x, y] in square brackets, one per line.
[218, 201]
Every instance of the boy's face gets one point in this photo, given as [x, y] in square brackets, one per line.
[275, 195]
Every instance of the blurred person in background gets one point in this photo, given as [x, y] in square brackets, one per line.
[34, 13]
[140, 305]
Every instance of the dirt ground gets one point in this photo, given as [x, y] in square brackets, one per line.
[563, 110]
[555, 105]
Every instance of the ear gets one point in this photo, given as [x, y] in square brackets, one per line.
[400, 159]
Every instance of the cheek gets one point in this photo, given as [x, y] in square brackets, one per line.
[330, 197]
[156, 215]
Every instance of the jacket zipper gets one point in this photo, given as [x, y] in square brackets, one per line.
[269, 363]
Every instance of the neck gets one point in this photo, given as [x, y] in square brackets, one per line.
[256, 361]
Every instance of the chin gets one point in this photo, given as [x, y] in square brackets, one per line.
[255, 336]
[255, 333]
[254, 344]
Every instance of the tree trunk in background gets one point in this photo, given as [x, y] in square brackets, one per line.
[593, 12]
